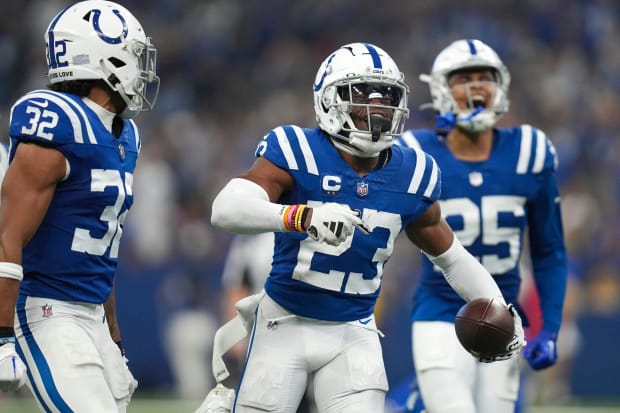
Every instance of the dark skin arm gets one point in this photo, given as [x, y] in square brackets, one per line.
[430, 232]
[110, 314]
[275, 181]
[27, 191]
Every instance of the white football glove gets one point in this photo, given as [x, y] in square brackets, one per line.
[219, 400]
[133, 383]
[332, 223]
[514, 347]
[12, 368]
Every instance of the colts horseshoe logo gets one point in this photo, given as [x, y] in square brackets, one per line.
[102, 36]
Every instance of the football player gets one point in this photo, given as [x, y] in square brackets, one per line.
[65, 197]
[336, 196]
[496, 183]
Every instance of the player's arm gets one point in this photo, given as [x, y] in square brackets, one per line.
[27, 191]
[432, 234]
[248, 205]
[110, 314]
[549, 265]
[463, 272]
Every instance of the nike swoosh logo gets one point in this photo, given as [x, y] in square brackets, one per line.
[368, 320]
[39, 104]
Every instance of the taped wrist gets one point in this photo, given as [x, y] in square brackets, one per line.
[11, 270]
[294, 216]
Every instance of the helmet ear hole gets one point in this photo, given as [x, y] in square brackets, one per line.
[116, 62]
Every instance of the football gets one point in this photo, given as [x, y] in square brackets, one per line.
[484, 327]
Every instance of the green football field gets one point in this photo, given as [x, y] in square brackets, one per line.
[153, 405]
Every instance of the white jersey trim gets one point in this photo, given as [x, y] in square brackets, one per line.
[541, 151]
[531, 137]
[76, 114]
[526, 149]
[306, 151]
[287, 151]
[410, 140]
[418, 172]
[433, 180]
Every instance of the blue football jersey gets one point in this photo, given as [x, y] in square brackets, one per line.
[489, 205]
[73, 254]
[341, 283]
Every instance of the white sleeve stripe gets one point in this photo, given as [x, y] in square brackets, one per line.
[526, 149]
[76, 115]
[433, 180]
[89, 129]
[136, 133]
[306, 151]
[418, 173]
[541, 151]
[410, 140]
[286, 148]
[73, 118]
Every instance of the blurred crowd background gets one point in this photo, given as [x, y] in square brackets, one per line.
[232, 70]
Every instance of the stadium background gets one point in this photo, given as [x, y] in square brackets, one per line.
[233, 69]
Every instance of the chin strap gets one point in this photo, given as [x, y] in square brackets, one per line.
[449, 121]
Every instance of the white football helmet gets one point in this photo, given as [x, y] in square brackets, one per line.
[98, 39]
[465, 54]
[350, 77]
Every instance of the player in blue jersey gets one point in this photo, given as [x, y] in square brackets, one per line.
[336, 196]
[497, 182]
[65, 197]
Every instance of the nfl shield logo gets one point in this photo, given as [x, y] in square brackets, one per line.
[475, 178]
[47, 310]
[362, 189]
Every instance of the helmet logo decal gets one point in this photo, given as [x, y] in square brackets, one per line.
[376, 60]
[319, 85]
[472, 47]
[54, 56]
[102, 36]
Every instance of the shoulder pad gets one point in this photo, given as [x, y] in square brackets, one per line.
[536, 152]
[289, 147]
[51, 118]
[425, 175]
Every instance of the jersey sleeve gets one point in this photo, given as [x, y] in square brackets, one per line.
[536, 152]
[547, 249]
[49, 118]
[425, 180]
[288, 147]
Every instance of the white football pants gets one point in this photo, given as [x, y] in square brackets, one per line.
[73, 364]
[343, 360]
[452, 381]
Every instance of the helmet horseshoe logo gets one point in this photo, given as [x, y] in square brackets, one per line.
[102, 36]
[319, 85]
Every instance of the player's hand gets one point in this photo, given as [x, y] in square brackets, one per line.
[332, 223]
[219, 400]
[514, 347]
[542, 352]
[133, 383]
[12, 368]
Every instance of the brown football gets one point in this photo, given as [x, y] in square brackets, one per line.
[484, 327]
